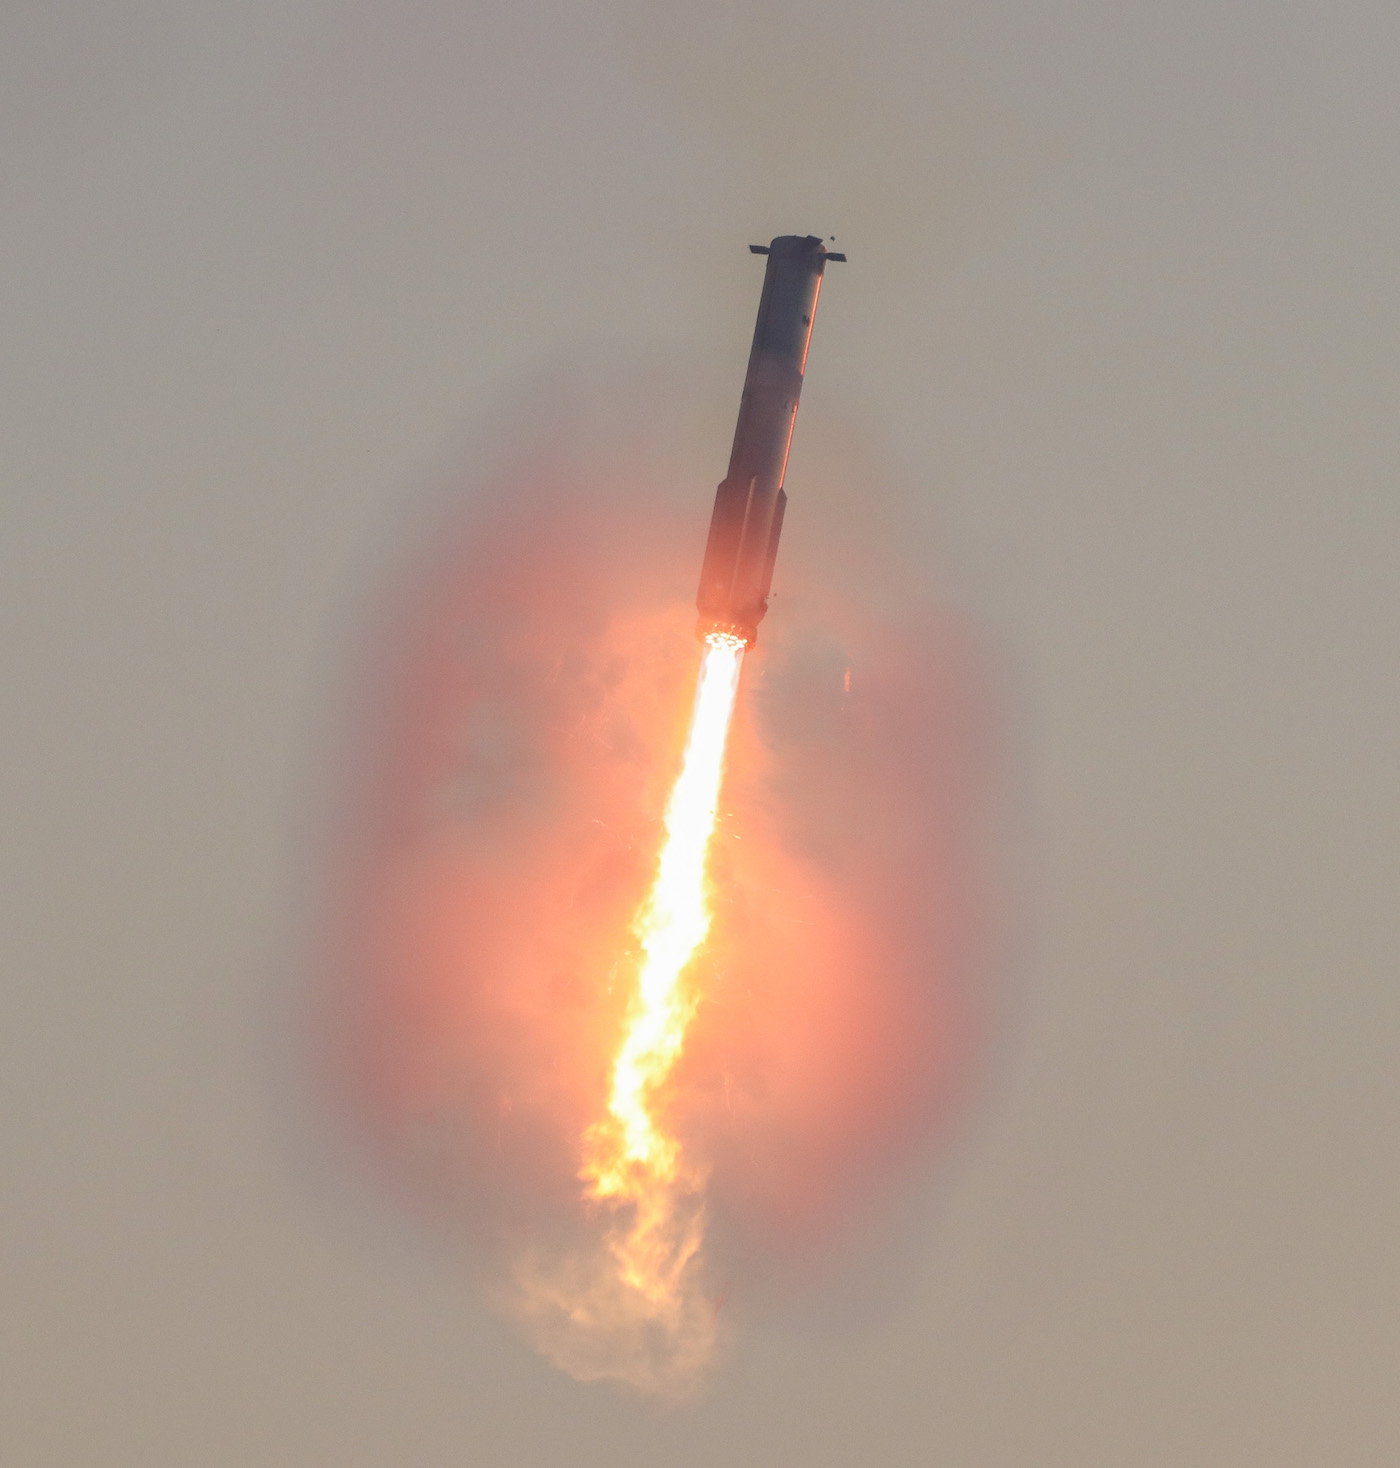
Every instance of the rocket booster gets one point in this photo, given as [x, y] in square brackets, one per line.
[749, 504]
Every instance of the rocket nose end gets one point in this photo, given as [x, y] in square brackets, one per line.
[798, 247]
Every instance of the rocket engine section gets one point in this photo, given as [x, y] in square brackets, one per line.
[748, 514]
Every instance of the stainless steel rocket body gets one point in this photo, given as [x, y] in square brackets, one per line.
[749, 504]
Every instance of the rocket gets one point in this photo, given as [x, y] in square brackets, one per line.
[749, 504]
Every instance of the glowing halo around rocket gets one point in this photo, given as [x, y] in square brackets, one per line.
[641, 981]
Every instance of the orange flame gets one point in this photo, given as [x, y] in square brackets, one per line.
[649, 1286]
[628, 1150]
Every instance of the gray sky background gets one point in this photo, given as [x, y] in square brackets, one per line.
[1121, 316]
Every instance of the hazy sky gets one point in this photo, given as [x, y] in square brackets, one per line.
[1121, 320]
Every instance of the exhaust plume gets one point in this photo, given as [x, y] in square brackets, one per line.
[639, 1023]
